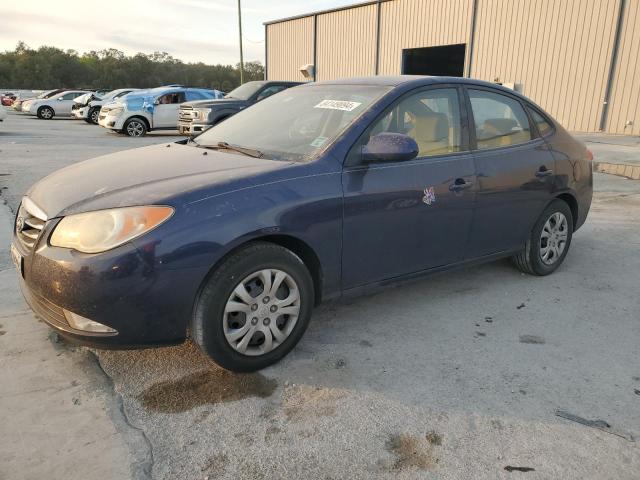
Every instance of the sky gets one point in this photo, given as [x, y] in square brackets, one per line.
[191, 30]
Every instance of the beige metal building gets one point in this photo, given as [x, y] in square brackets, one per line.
[579, 59]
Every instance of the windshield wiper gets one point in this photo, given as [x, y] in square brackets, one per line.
[247, 151]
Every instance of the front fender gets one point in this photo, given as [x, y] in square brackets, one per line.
[202, 232]
[216, 116]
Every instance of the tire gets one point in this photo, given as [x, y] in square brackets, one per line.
[549, 242]
[135, 127]
[213, 320]
[93, 115]
[46, 113]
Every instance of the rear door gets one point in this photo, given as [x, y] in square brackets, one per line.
[515, 172]
[165, 112]
[405, 217]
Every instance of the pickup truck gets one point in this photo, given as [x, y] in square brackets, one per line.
[197, 116]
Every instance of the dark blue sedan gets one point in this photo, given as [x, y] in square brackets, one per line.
[323, 190]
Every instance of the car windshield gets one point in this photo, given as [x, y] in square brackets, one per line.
[244, 91]
[46, 94]
[110, 95]
[294, 124]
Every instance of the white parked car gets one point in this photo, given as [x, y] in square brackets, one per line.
[47, 108]
[155, 109]
[87, 107]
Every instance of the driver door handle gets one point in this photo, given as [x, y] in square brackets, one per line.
[460, 184]
[543, 172]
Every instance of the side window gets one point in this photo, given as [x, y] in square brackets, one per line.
[544, 127]
[430, 117]
[267, 92]
[193, 95]
[499, 120]
[71, 96]
[170, 98]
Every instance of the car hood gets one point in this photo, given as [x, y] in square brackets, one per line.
[168, 173]
[213, 102]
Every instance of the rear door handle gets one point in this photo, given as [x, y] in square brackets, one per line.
[460, 184]
[544, 172]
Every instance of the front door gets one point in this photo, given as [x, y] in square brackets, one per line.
[165, 112]
[65, 102]
[405, 217]
[515, 173]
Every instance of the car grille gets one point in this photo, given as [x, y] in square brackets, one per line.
[185, 114]
[29, 223]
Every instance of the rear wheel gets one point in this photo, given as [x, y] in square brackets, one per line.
[135, 127]
[46, 113]
[254, 308]
[549, 242]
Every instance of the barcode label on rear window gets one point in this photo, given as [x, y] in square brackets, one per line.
[338, 105]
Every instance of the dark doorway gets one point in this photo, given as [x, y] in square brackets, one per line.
[447, 60]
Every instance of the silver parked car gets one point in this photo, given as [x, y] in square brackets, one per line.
[47, 108]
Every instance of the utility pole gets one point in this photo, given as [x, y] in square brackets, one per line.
[240, 35]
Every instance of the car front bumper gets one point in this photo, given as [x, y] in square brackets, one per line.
[113, 122]
[123, 288]
[192, 128]
[80, 113]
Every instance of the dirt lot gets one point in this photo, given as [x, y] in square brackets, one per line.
[459, 376]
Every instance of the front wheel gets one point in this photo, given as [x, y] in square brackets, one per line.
[254, 308]
[94, 113]
[549, 242]
[46, 113]
[135, 127]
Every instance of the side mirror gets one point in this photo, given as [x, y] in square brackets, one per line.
[60, 99]
[389, 147]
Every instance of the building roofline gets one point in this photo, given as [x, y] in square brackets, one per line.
[322, 12]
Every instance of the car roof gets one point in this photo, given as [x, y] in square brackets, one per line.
[413, 80]
[170, 89]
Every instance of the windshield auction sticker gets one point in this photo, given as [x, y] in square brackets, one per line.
[338, 105]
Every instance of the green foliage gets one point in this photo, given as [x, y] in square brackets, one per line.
[51, 67]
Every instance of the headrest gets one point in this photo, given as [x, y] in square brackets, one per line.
[431, 128]
[500, 126]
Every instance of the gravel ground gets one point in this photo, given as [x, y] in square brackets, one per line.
[455, 377]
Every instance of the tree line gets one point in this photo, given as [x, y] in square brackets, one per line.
[50, 67]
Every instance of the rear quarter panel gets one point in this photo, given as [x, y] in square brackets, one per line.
[574, 171]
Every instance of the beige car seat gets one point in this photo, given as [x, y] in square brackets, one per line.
[431, 133]
[498, 132]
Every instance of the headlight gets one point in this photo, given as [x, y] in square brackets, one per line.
[116, 111]
[202, 113]
[102, 230]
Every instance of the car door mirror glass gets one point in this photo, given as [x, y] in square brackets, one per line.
[389, 147]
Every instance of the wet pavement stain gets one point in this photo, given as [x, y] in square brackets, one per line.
[205, 387]
[533, 339]
[410, 452]
[434, 438]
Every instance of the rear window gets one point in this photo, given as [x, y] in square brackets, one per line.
[544, 127]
